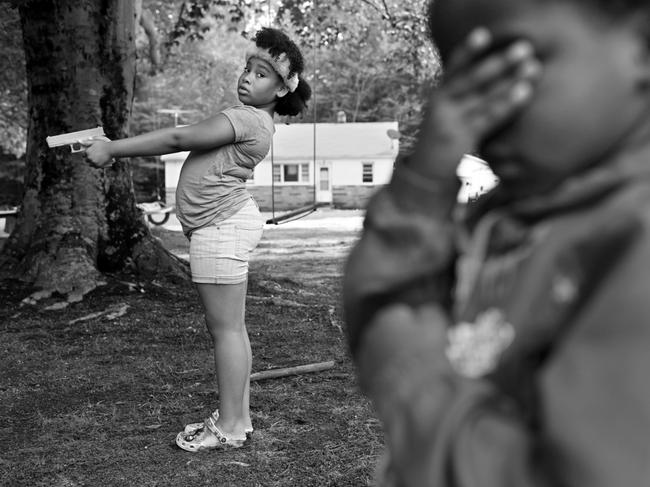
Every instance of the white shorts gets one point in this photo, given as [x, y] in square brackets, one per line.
[219, 253]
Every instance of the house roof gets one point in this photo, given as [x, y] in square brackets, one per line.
[334, 141]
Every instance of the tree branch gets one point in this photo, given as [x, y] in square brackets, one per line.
[384, 13]
[147, 23]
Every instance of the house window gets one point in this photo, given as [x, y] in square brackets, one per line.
[304, 173]
[367, 172]
[291, 173]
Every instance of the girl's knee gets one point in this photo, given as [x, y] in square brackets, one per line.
[218, 326]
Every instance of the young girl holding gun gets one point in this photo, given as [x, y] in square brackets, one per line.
[220, 217]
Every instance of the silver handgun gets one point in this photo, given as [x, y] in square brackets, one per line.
[72, 138]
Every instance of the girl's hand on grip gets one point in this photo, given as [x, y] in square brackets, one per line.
[97, 151]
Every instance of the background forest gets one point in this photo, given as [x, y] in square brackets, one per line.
[369, 59]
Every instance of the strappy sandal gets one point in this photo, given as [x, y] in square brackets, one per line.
[195, 428]
[199, 442]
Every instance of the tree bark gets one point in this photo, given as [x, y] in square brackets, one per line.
[77, 222]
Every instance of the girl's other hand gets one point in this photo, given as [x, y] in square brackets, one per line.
[483, 86]
[97, 151]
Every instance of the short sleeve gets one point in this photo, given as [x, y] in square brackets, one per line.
[246, 122]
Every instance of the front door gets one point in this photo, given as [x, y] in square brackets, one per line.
[324, 182]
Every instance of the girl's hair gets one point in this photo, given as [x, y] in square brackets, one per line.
[278, 43]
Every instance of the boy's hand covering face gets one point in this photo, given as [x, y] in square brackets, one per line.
[489, 83]
[483, 86]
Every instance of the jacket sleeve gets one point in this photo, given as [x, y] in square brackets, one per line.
[406, 250]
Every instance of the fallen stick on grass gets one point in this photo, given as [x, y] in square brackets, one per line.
[298, 369]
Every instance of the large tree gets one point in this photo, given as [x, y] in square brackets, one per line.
[78, 223]
[13, 91]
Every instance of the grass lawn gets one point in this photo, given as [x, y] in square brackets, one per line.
[94, 394]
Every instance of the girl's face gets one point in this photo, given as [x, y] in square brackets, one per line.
[259, 84]
[589, 100]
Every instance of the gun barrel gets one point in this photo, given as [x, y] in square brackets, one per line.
[73, 137]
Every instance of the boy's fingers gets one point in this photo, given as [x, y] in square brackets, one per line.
[506, 63]
[487, 114]
[478, 40]
[485, 110]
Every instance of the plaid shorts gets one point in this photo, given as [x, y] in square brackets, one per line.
[219, 253]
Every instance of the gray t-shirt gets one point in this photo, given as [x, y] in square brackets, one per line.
[212, 183]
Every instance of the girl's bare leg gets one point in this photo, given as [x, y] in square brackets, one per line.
[224, 312]
[247, 389]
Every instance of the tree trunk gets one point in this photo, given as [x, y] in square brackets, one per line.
[78, 222]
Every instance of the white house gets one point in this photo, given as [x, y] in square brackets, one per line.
[341, 164]
[476, 178]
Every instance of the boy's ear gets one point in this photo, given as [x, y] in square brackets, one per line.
[282, 92]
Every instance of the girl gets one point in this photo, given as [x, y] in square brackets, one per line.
[512, 348]
[221, 219]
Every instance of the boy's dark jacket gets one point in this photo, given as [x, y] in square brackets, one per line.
[562, 283]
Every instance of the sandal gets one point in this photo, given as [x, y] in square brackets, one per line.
[201, 441]
[195, 428]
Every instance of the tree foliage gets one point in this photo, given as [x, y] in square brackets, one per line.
[197, 17]
[198, 80]
[368, 58]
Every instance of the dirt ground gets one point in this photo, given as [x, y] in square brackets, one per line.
[95, 394]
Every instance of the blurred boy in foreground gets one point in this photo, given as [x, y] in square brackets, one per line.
[512, 349]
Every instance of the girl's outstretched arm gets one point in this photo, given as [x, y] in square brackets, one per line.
[208, 134]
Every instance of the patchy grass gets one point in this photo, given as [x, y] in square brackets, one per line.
[98, 401]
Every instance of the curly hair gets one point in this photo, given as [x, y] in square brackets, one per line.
[277, 42]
